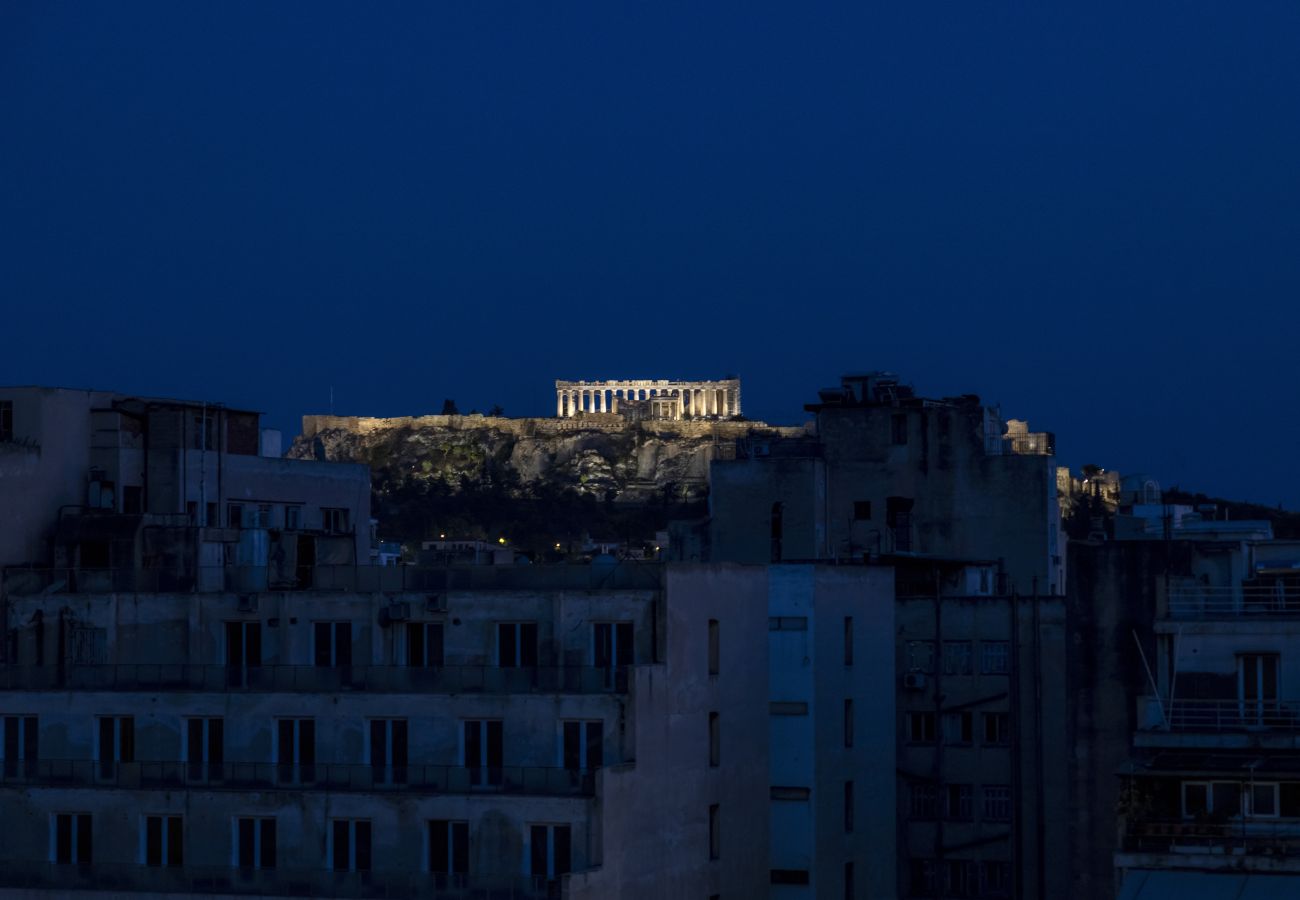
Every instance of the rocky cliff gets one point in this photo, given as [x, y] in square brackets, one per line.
[482, 473]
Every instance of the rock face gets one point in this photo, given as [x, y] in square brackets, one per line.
[600, 456]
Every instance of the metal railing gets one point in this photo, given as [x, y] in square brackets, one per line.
[1276, 836]
[1201, 602]
[455, 679]
[240, 776]
[20, 581]
[296, 882]
[1195, 714]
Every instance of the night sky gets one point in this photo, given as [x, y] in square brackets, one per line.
[1088, 213]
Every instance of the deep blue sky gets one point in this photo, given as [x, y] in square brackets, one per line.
[1090, 213]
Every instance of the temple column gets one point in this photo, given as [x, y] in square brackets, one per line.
[573, 403]
[600, 400]
[559, 405]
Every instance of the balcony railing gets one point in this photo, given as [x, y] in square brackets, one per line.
[456, 679]
[297, 882]
[241, 776]
[1200, 602]
[1274, 836]
[19, 581]
[1221, 715]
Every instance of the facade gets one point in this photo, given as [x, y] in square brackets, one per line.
[119, 492]
[654, 399]
[891, 473]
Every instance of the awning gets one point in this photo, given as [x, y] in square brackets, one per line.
[1143, 884]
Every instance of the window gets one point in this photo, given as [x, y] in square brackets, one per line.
[848, 723]
[295, 752]
[549, 851]
[235, 515]
[334, 520]
[898, 428]
[387, 751]
[72, 839]
[925, 878]
[849, 891]
[920, 657]
[925, 801]
[715, 741]
[715, 646]
[243, 650]
[997, 728]
[612, 650]
[861, 510]
[204, 749]
[958, 802]
[848, 807]
[349, 849]
[1257, 687]
[995, 879]
[848, 640]
[292, 517]
[715, 832]
[1261, 799]
[6, 420]
[261, 516]
[21, 746]
[132, 499]
[958, 727]
[1218, 798]
[333, 644]
[516, 644]
[995, 657]
[997, 803]
[163, 842]
[255, 843]
[203, 433]
[789, 876]
[448, 847]
[424, 647]
[482, 751]
[114, 743]
[957, 658]
[583, 745]
[898, 519]
[920, 727]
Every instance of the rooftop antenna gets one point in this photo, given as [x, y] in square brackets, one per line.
[331, 399]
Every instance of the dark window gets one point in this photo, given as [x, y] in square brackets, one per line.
[388, 746]
[924, 801]
[920, 727]
[204, 749]
[235, 515]
[848, 640]
[203, 432]
[483, 754]
[715, 646]
[549, 851]
[583, 749]
[448, 847]
[334, 520]
[517, 645]
[6, 420]
[256, 837]
[333, 644]
[997, 728]
[295, 753]
[898, 428]
[848, 723]
[848, 807]
[715, 740]
[958, 727]
[21, 746]
[959, 802]
[424, 644]
[898, 519]
[132, 500]
[350, 845]
[243, 651]
[778, 528]
[715, 832]
[861, 510]
[789, 876]
[72, 839]
[292, 517]
[997, 803]
[163, 841]
[116, 744]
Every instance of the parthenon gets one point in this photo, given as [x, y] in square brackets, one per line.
[656, 399]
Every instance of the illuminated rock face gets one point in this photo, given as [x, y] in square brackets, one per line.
[651, 399]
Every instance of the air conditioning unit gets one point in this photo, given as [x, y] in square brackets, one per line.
[914, 681]
[248, 603]
[395, 612]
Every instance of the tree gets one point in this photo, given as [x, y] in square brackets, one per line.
[496, 410]
[449, 407]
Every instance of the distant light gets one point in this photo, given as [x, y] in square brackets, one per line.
[656, 549]
[501, 540]
[557, 546]
[443, 536]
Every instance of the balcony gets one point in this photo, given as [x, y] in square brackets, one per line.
[1212, 716]
[123, 878]
[21, 581]
[1234, 837]
[260, 776]
[1192, 601]
[455, 679]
